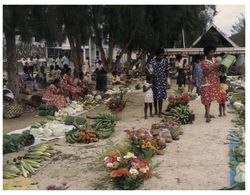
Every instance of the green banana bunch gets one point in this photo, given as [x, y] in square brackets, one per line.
[10, 171]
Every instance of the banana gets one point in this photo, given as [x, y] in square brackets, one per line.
[38, 157]
[28, 167]
[25, 173]
[45, 158]
[51, 151]
[9, 175]
[36, 153]
[11, 168]
[46, 154]
[33, 163]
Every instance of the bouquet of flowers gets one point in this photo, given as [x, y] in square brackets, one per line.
[127, 172]
[175, 100]
[116, 102]
[141, 143]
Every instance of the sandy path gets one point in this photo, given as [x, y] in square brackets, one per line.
[199, 160]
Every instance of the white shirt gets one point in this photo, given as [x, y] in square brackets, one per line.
[149, 92]
[65, 60]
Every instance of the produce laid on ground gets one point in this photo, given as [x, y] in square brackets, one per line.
[30, 163]
[141, 143]
[175, 100]
[237, 141]
[73, 108]
[127, 171]
[90, 101]
[71, 120]
[181, 114]
[46, 110]
[103, 124]
[49, 129]
[81, 135]
[16, 142]
[116, 102]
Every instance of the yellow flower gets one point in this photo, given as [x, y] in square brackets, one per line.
[129, 155]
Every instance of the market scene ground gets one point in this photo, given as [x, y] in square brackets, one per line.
[199, 160]
[123, 97]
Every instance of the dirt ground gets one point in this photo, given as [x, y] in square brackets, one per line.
[198, 161]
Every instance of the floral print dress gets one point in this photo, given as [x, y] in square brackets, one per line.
[67, 84]
[210, 84]
[52, 96]
[159, 78]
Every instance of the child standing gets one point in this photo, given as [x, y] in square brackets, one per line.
[148, 96]
[223, 95]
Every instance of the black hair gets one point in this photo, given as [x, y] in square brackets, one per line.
[223, 78]
[68, 70]
[208, 48]
[178, 57]
[57, 67]
[159, 51]
[148, 77]
[56, 81]
[196, 58]
[51, 67]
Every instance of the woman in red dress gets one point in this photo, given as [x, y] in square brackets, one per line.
[53, 95]
[210, 84]
[68, 84]
[81, 83]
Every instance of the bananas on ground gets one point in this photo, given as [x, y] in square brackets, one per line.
[181, 114]
[104, 124]
[10, 171]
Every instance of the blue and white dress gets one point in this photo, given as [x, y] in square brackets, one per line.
[159, 78]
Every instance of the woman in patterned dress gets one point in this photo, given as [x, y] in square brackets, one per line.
[210, 84]
[68, 84]
[53, 95]
[160, 68]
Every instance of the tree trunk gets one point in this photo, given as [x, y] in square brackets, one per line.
[129, 54]
[76, 52]
[12, 66]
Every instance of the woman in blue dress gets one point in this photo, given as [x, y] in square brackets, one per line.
[159, 74]
[197, 73]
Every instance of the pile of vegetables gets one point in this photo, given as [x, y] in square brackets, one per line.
[103, 124]
[46, 110]
[49, 129]
[73, 108]
[90, 101]
[116, 102]
[81, 135]
[180, 113]
[30, 163]
[15, 142]
[174, 127]
[71, 120]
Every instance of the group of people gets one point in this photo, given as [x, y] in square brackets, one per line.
[64, 84]
[204, 74]
[60, 83]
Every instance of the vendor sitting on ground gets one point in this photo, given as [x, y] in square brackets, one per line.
[116, 79]
[52, 74]
[54, 95]
[24, 77]
[69, 86]
[11, 109]
[80, 82]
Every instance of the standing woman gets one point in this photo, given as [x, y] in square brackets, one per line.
[210, 84]
[180, 69]
[197, 75]
[160, 68]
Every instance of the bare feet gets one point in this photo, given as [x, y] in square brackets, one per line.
[208, 119]
[224, 114]
[145, 117]
[220, 115]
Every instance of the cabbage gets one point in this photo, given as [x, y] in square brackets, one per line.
[47, 132]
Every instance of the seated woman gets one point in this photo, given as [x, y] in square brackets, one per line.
[80, 82]
[24, 79]
[52, 74]
[68, 85]
[11, 109]
[54, 96]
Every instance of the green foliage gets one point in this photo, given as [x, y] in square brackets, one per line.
[128, 183]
